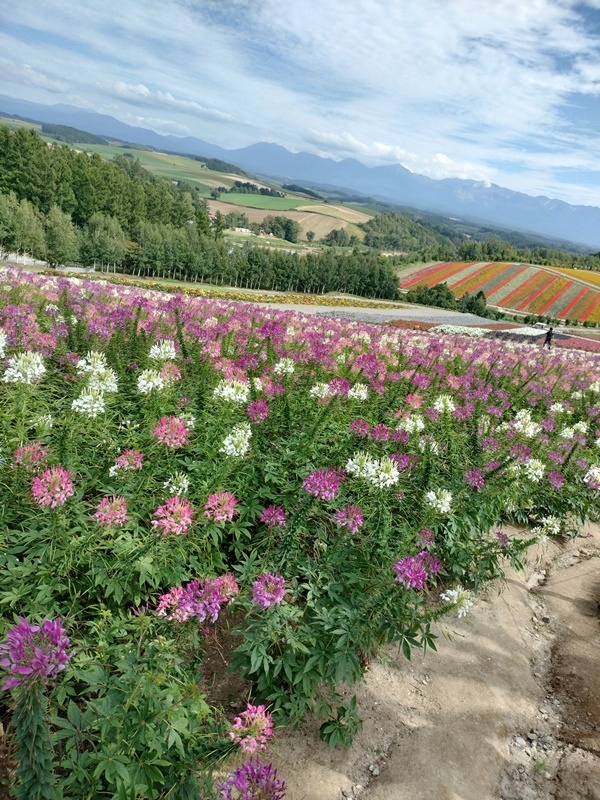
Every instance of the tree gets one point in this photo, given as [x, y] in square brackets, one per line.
[61, 238]
[218, 225]
[29, 230]
[310, 236]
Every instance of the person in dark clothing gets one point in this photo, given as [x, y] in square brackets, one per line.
[548, 339]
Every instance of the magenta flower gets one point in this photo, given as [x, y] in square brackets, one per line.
[413, 571]
[128, 461]
[324, 484]
[258, 411]
[53, 487]
[414, 400]
[273, 516]
[268, 590]
[380, 432]
[350, 517]
[111, 512]
[253, 781]
[170, 372]
[202, 599]
[220, 507]
[475, 479]
[34, 652]
[31, 456]
[252, 729]
[502, 538]
[174, 517]
[171, 431]
[360, 427]
[426, 538]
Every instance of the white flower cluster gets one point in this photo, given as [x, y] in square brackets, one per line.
[411, 423]
[43, 424]
[594, 387]
[592, 476]
[428, 444]
[103, 380]
[440, 500]
[177, 484]
[462, 600]
[444, 404]
[95, 361]
[381, 472]
[558, 408]
[3, 340]
[163, 350]
[285, 366]
[534, 469]
[360, 391]
[27, 367]
[232, 391]
[363, 336]
[237, 443]
[525, 425]
[150, 380]
[460, 330]
[549, 526]
[578, 394]
[189, 419]
[320, 390]
[90, 402]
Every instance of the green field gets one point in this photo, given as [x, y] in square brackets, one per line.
[263, 201]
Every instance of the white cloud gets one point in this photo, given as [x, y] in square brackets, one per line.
[157, 124]
[141, 95]
[24, 73]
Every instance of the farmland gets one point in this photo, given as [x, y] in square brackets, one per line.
[555, 292]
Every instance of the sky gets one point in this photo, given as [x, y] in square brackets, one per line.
[500, 91]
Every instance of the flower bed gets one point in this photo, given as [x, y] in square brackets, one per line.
[192, 485]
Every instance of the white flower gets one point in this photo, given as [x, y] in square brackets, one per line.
[232, 391]
[567, 433]
[440, 500]
[27, 367]
[362, 465]
[386, 473]
[550, 526]
[189, 419]
[444, 403]
[237, 443]
[103, 380]
[380, 472]
[534, 469]
[462, 599]
[163, 350]
[95, 361]
[428, 443]
[592, 476]
[90, 402]
[3, 340]
[44, 424]
[557, 408]
[578, 394]
[320, 390]
[150, 380]
[594, 387]
[581, 427]
[177, 484]
[411, 423]
[284, 366]
[360, 391]
[460, 330]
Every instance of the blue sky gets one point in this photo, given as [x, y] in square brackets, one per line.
[503, 91]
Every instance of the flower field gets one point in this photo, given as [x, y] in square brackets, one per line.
[215, 516]
[548, 291]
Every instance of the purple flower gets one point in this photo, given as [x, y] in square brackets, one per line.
[360, 427]
[475, 478]
[258, 411]
[380, 432]
[268, 590]
[489, 443]
[350, 517]
[426, 537]
[324, 484]
[273, 516]
[556, 479]
[34, 652]
[413, 571]
[202, 599]
[253, 781]
[502, 538]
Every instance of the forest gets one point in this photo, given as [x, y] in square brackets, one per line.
[70, 207]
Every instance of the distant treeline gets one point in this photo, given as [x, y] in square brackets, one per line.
[240, 187]
[64, 133]
[294, 187]
[66, 207]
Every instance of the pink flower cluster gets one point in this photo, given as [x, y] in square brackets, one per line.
[34, 652]
[201, 599]
[414, 571]
[111, 512]
[258, 411]
[31, 456]
[273, 516]
[268, 590]
[350, 517]
[324, 484]
[171, 431]
[174, 517]
[220, 507]
[252, 729]
[128, 461]
[53, 487]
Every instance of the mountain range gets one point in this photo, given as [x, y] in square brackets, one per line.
[471, 200]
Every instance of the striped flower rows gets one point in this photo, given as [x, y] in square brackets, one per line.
[557, 293]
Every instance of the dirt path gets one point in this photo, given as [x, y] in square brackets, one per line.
[508, 709]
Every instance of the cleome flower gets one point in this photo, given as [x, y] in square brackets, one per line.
[462, 600]
[252, 729]
[52, 487]
[27, 368]
[175, 516]
[202, 599]
[231, 391]
[253, 781]
[34, 652]
[268, 590]
[440, 500]
[90, 403]
[163, 350]
[237, 443]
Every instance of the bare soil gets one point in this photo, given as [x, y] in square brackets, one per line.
[507, 709]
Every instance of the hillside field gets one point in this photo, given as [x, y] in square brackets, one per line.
[547, 291]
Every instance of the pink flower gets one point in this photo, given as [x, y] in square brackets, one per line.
[34, 652]
[203, 599]
[258, 411]
[324, 484]
[52, 487]
[360, 427]
[350, 517]
[220, 507]
[414, 400]
[273, 516]
[111, 512]
[174, 517]
[129, 460]
[413, 571]
[268, 590]
[31, 456]
[380, 432]
[252, 729]
[171, 431]
[170, 372]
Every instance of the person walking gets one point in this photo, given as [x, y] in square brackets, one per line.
[548, 339]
